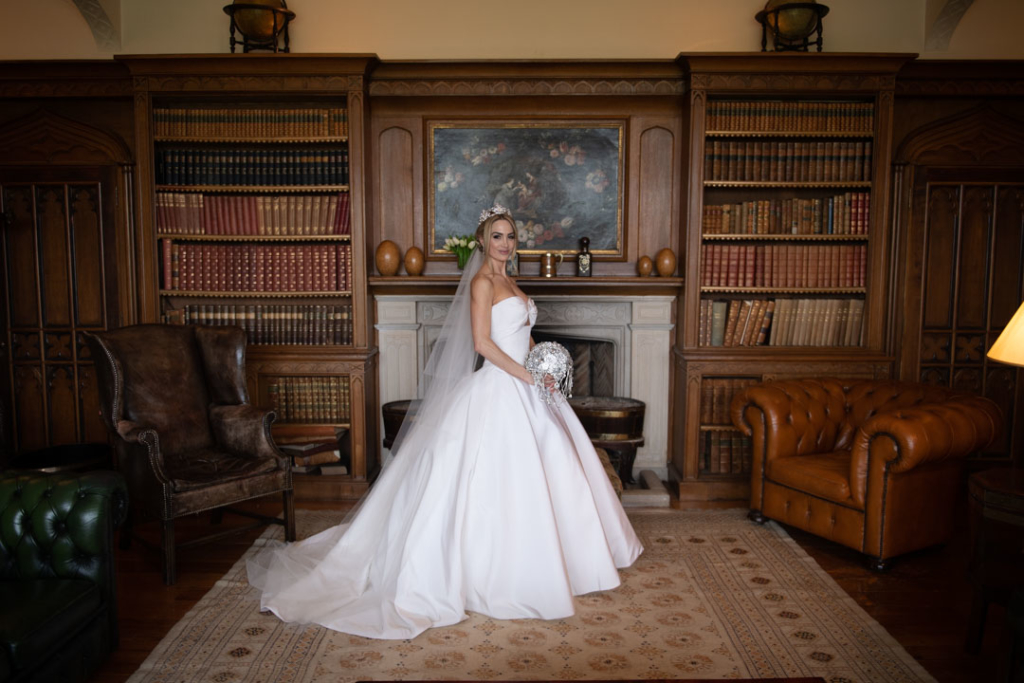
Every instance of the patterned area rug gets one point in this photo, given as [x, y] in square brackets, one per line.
[713, 596]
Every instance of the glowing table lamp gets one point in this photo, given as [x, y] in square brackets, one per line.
[1009, 346]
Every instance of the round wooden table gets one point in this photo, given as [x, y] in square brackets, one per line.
[996, 499]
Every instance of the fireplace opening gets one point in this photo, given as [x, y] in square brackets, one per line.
[593, 363]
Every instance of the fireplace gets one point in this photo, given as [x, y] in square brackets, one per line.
[621, 344]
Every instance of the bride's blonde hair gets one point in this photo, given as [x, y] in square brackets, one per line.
[483, 231]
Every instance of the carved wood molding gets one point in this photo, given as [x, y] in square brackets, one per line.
[526, 87]
[979, 137]
[950, 87]
[44, 138]
[65, 87]
[792, 81]
[248, 83]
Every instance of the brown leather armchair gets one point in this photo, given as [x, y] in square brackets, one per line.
[187, 439]
[874, 465]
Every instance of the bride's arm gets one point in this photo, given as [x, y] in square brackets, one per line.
[480, 313]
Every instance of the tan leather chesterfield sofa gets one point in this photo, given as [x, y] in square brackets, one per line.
[874, 465]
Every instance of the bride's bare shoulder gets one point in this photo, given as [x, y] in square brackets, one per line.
[482, 286]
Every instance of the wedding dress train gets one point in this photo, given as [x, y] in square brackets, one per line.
[506, 510]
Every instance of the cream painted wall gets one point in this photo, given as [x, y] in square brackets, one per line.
[524, 29]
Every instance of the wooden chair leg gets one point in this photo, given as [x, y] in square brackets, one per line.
[289, 515]
[167, 551]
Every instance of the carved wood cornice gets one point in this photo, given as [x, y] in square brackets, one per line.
[43, 138]
[983, 87]
[44, 79]
[961, 78]
[491, 87]
[793, 81]
[244, 83]
[67, 87]
[979, 137]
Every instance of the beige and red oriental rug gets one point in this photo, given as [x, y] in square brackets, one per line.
[713, 597]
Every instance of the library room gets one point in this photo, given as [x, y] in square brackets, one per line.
[599, 341]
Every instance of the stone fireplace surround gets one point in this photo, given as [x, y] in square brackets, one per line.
[639, 327]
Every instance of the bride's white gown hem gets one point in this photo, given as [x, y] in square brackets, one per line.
[505, 510]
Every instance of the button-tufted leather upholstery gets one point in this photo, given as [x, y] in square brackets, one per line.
[58, 619]
[874, 465]
[187, 440]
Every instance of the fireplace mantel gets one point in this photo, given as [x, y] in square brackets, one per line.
[639, 325]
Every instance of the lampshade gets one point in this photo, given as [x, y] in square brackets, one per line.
[1009, 347]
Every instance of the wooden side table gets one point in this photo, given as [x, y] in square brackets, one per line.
[996, 499]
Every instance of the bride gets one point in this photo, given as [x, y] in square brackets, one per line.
[495, 501]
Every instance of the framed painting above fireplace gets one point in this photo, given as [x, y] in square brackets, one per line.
[562, 181]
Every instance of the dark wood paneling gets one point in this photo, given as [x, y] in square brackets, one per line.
[657, 190]
[396, 188]
[943, 207]
[92, 428]
[53, 253]
[88, 256]
[1008, 254]
[975, 223]
[21, 257]
[60, 381]
[30, 416]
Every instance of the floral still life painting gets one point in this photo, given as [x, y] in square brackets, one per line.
[560, 182]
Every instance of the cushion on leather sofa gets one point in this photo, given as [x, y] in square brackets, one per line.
[826, 475]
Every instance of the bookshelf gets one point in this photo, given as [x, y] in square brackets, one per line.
[787, 240]
[251, 192]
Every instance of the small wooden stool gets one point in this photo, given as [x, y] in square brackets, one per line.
[615, 424]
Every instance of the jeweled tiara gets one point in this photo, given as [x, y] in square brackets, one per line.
[496, 210]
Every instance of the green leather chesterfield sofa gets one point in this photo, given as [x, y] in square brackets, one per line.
[58, 607]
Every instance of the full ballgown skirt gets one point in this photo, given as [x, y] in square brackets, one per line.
[505, 510]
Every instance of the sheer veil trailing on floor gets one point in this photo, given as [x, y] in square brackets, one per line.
[494, 502]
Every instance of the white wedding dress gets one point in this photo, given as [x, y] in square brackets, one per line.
[505, 511]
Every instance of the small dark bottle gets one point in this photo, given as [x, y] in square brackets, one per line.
[583, 260]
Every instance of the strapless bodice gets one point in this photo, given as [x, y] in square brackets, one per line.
[511, 322]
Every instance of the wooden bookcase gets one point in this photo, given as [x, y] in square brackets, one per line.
[251, 191]
[787, 246]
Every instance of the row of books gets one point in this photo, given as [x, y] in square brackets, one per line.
[256, 267]
[251, 166]
[843, 214]
[782, 322]
[313, 400]
[779, 115]
[716, 397]
[250, 123]
[798, 162]
[298, 324]
[725, 453]
[215, 214]
[735, 323]
[783, 265]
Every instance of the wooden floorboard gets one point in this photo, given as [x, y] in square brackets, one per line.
[923, 601]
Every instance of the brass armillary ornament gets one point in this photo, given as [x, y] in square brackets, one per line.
[261, 23]
[793, 25]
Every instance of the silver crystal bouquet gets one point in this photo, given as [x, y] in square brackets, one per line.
[551, 358]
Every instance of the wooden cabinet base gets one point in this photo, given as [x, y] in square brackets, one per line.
[707, 490]
[328, 488]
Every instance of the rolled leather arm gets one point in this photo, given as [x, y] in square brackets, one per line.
[927, 433]
[244, 429]
[139, 437]
[789, 418]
